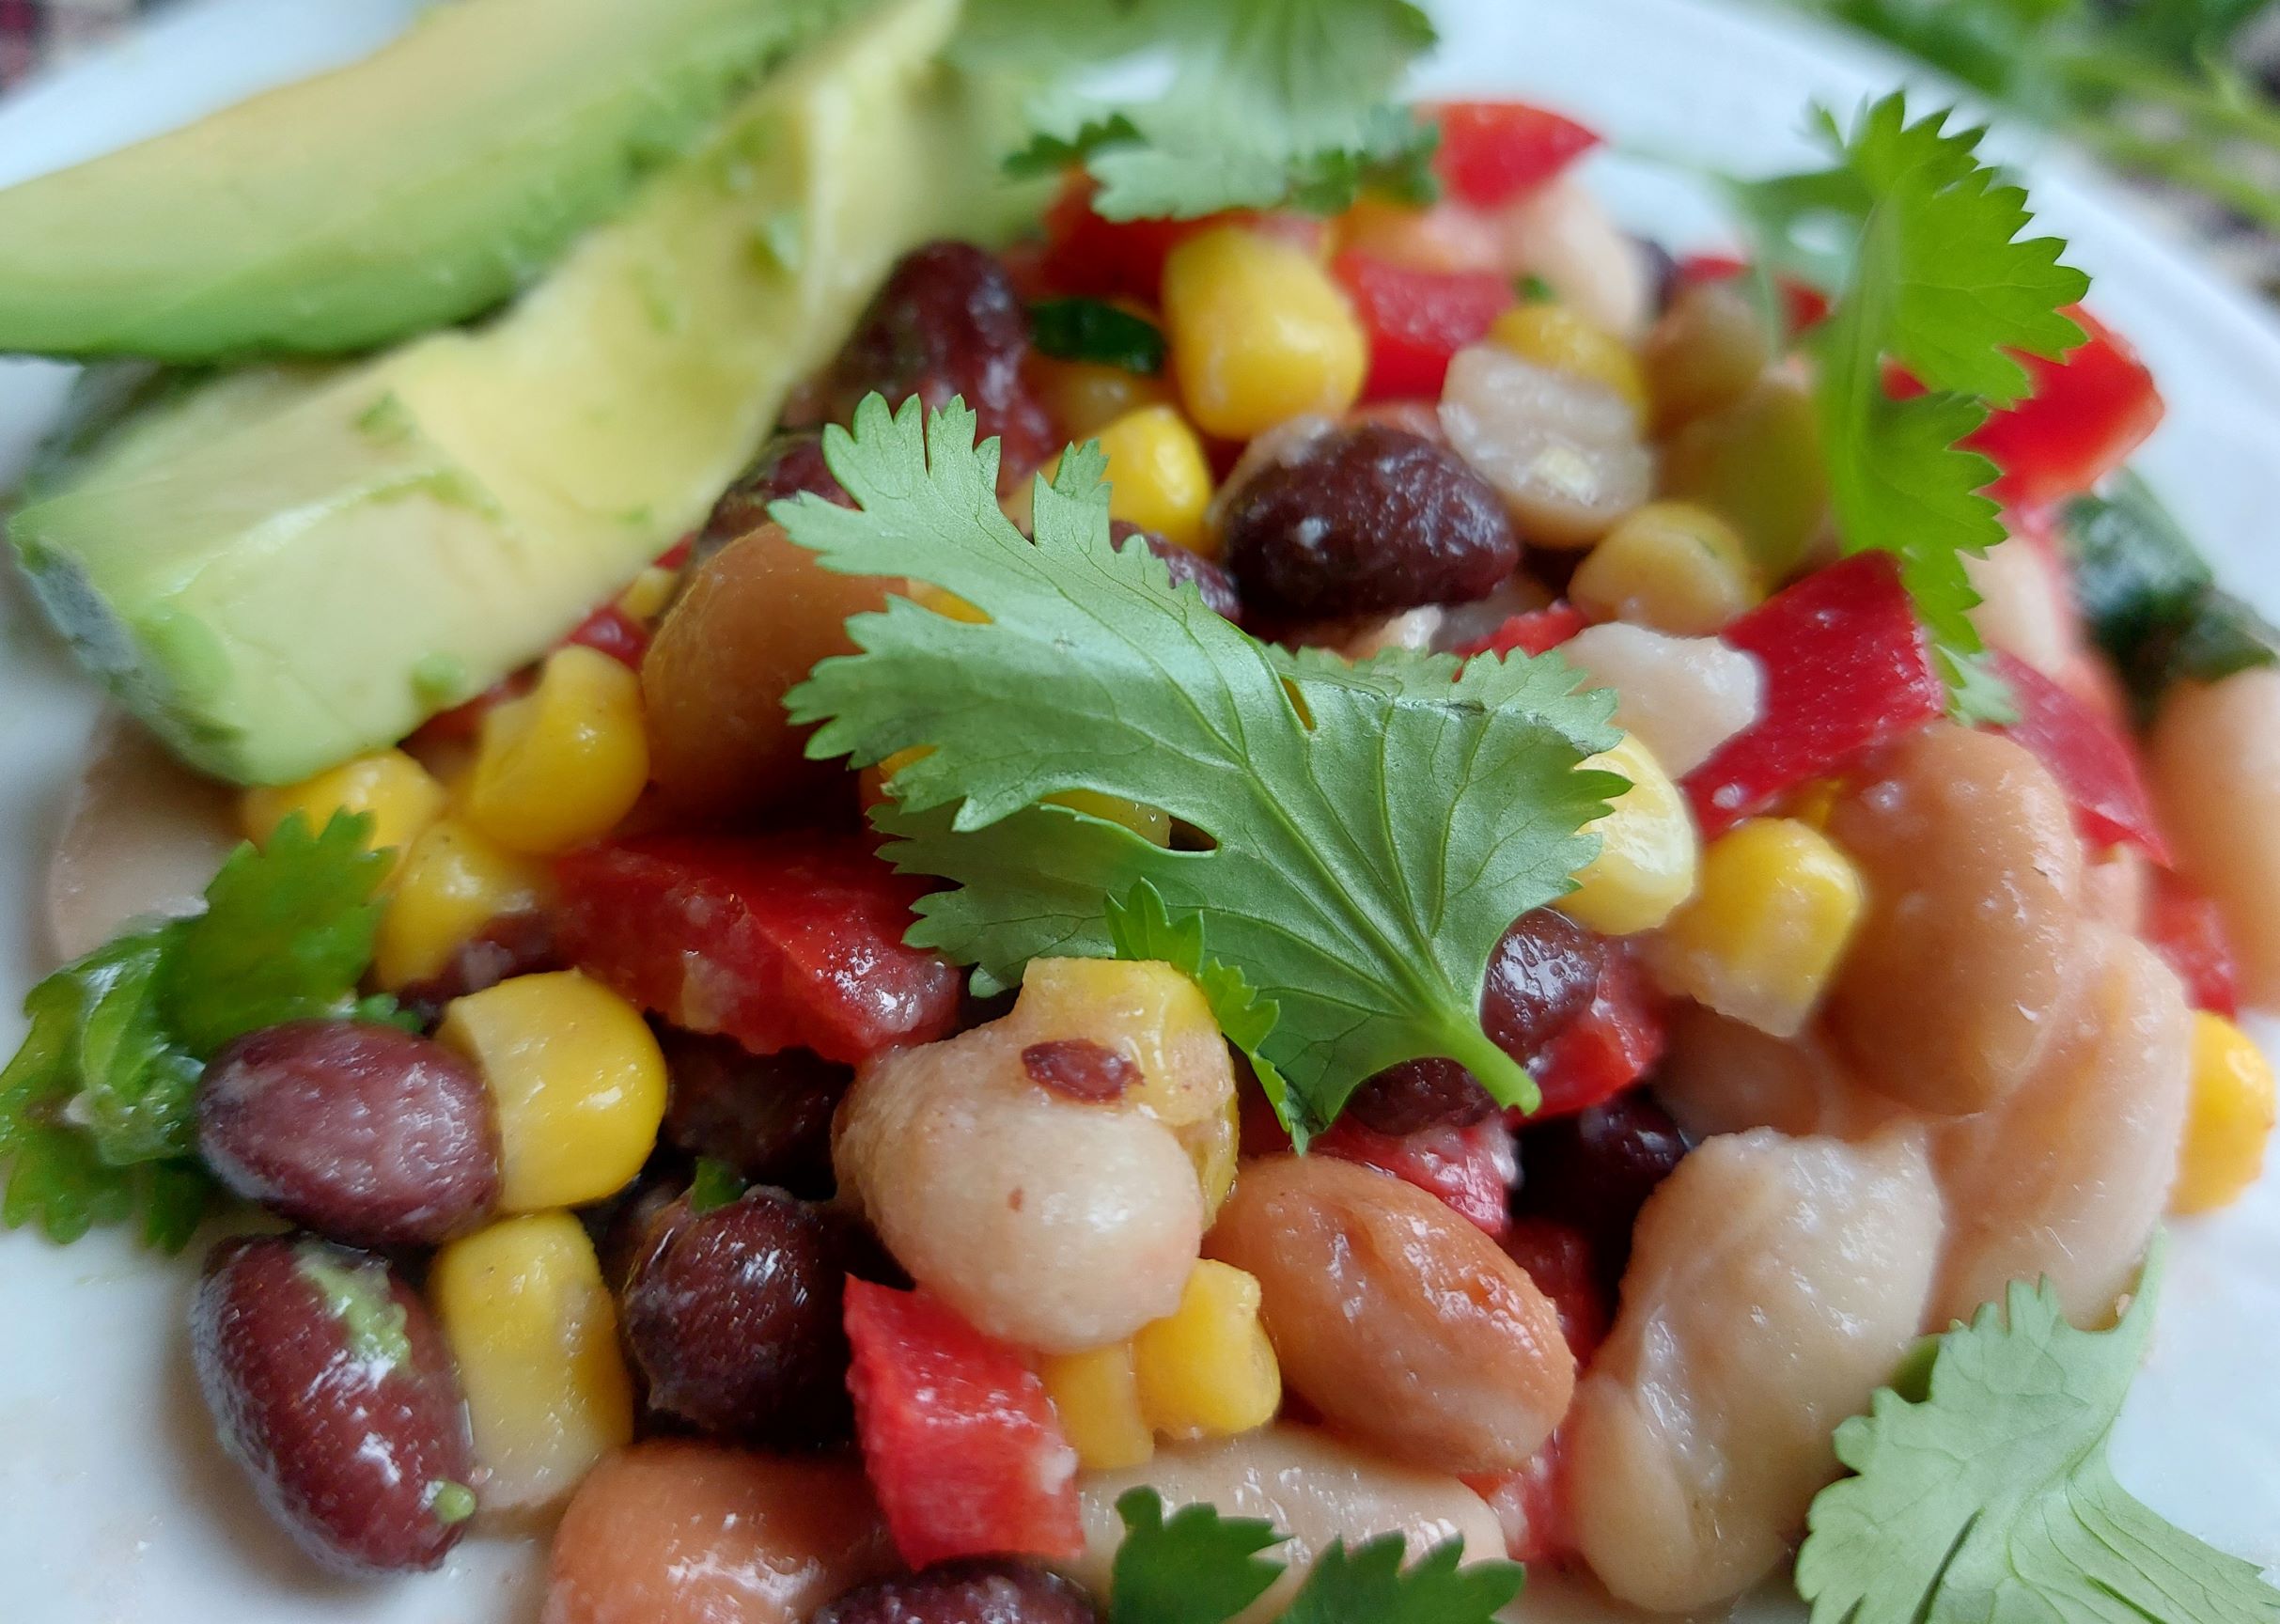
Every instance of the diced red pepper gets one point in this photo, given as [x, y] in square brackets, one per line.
[1604, 1050]
[1472, 1169]
[2188, 931]
[1084, 254]
[1558, 1258]
[1531, 1504]
[1847, 669]
[1803, 303]
[777, 941]
[2089, 754]
[1534, 633]
[2089, 410]
[1491, 153]
[957, 1436]
[1417, 320]
[678, 553]
[611, 630]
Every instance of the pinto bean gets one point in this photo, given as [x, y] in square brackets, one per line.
[1959, 969]
[1403, 1324]
[1726, 1076]
[1774, 1285]
[2227, 834]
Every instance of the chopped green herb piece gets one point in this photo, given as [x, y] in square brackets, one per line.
[450, 1503]
[356, 1295]
[714, 1184]
[1095, 331]
[1533, 290]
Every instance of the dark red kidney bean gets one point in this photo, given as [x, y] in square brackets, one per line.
[512, 944]
[364, 1132]
[766, 1115]
[1596, 1169]
[971, 1590]
[788, 464]
[949, 322]
[1419, 1094]
[331, 1387]
[1560, 1258]
[734, 1317]
[1541, 977]
[1216, 586]
[1362, 520]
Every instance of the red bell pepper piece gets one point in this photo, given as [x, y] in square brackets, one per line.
[2089, 410]
[1604, 1050]
[2089, 754]
[1084, 254]
[1558, 1258]
[777, 941]
[1471, 1169]
[1803, 303]
[1491, 153]
[611, 630]
[959, 1439]
[2188, 931]
[1534, 633]
[1417, 320]
[1847, 669]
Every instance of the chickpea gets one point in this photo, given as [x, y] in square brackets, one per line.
[1403, 1324]
[1309, 1485]
[2226, 829]
[1705, 353]
[2067, 1176]
[1959, 968]
[1057, 1223]
[1726, 1076]
[1774, 1285]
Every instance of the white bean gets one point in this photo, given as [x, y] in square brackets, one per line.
[1683, 696]
[1726, 1076]
[1563, 234]
[2215, 761]
[1563, 452]
[1774, 1285]
[2023, 606]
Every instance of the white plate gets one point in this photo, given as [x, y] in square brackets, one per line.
[115, 1506]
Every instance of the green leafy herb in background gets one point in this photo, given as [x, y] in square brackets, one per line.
[96, 1108]
[1370, 830]
[1095, 331]
[1983, 1494]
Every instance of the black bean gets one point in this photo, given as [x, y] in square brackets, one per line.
[362, 1131]
[511, 944]
[1363, 520]
[766, 1115]
[1543, 975]
[786, 465]
[1418, 1095]
[1216, 586]
[734, 1317]
[972, 1591]
[1596, 1169]
[331, 1387]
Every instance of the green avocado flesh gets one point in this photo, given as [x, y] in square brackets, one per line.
[286, 566]
[418, 187]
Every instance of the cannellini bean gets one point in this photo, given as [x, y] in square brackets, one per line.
[1403, 1323]
[2215, 761]
[1056, 1223]
[1562, 233]
[1774, 1285]
[142, 834]
[2024, 609]
[1563, 452]
[1959, 969]
[1309, 1485]
[1726, 1076]
[1359, 640]
[685, 1533]
[2069, 1175]
[1683, 696]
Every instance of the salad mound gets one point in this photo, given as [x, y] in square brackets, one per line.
[1326, 885]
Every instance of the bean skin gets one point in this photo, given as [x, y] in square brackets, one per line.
[1596, 1169]
[331, 1387]
[1215, 585]
[361, 1131]
[788, 464]
[972, 1590]
[767, 1116]
[1418, 1095]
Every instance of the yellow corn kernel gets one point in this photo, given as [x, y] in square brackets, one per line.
[1648, 850]
[1557, 338]
[1097, 1398]
[535, 1335]
[1762, 936]
[647, 595]
[1672, 565]
[2228, 1120]
[561, 765]
[949, 605]
[1259, 333]
[1152, 824]
[451, 883]
[1157, 476]
[577, 1078]
[1156, 1018]
[1085, 396]
[394, 788]
[1206, 1369]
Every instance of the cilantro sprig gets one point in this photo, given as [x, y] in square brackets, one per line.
[1982, 1489]
[1938, 280]
[1369, 830]
[96, 1108]
[1198, 1566]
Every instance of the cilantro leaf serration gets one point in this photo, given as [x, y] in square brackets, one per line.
[1374, 828]
[1984, 1494]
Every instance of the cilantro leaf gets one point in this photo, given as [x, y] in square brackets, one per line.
[1369, 1585]
[1271, 103]
[1198, 1568]
[1984, 1494]
[1373, 829]
[1096, 331]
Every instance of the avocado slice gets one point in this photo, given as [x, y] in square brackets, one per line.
[282, 567]
[418, 187]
